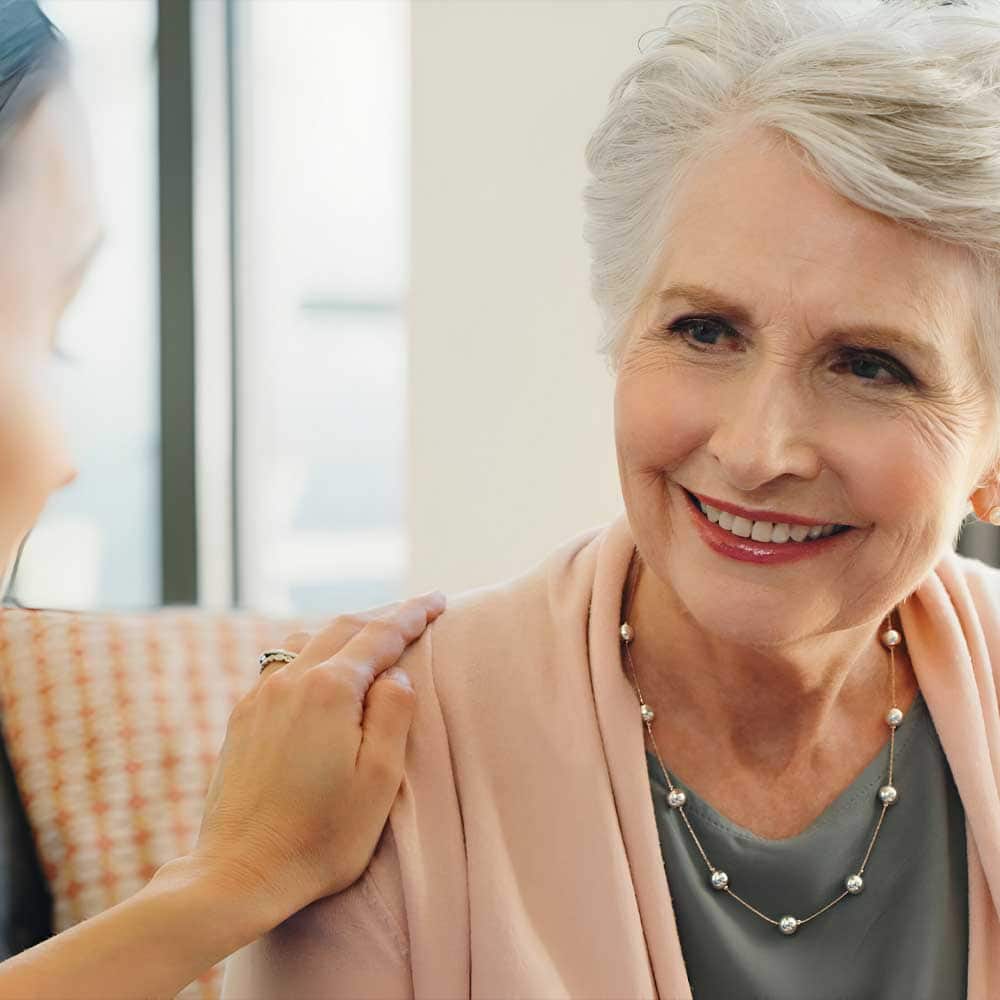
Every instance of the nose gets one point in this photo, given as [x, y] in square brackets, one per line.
[764, 430]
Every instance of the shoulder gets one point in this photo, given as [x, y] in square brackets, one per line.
[968, 609]
[487, 667]
[975, 584]
[518, 618]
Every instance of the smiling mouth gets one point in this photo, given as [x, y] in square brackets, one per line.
[764, 531]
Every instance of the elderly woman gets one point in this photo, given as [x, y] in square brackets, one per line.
[744, 742]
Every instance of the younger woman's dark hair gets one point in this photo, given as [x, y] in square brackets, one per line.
[33, 57]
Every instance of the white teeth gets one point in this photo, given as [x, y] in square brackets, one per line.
[742, 527]
[765, 531]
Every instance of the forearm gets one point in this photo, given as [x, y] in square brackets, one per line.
[151, 945]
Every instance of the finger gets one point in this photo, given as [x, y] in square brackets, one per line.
[381, 643]
[389, 709]
[332, 638]
[296, 642]
[335, 637]
[293, 643]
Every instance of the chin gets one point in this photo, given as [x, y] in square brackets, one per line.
[9, 552]
[749, 613]
[752, 625]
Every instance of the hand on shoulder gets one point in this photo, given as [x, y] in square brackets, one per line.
[312, 762]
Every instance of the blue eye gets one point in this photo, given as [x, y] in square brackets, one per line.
[699, 327]
[866, 359]
[864, 363]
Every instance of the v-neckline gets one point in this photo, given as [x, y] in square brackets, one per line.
[866, 780]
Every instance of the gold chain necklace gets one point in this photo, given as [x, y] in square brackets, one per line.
[676, 798]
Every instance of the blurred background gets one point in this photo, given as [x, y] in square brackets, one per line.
[339, 345]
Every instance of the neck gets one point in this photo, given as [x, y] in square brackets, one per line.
[765, 707]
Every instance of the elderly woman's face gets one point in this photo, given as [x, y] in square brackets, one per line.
[803, 357]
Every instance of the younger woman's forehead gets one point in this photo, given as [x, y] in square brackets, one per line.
[48, 192]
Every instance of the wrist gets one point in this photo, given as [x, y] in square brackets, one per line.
[245, 906]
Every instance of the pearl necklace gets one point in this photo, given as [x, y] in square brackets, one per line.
[676, 798]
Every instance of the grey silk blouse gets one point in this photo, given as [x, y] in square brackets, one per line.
[904, 937]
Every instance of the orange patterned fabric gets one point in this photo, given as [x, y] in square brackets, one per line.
[112, 723]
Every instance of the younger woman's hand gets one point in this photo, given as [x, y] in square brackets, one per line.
[312, 762]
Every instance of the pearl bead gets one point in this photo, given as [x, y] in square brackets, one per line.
[627, 632]
[890, 637]
[894, 717]
[788, 925]
[854, 884]
[888, 795]
[676, 799]
[720, 880]
[647, 713]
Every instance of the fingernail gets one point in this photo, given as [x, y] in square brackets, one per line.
[437, 598]
[399, 676]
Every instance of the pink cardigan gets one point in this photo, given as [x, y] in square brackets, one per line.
[522, 859]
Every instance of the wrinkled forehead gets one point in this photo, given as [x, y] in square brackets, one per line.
[754, 218]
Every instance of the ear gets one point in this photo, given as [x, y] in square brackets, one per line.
[985, 499]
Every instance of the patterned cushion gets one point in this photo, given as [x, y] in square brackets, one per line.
[112, 723]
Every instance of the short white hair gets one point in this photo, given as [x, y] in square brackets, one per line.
[896, 104]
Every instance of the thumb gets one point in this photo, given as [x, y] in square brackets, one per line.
[389, 708]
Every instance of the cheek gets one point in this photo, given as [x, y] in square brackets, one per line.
[34, 459]
[659, 421]
[908, 478]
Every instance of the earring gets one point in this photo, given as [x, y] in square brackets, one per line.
[994, 516]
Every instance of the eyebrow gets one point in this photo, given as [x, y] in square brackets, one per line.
[704, 299]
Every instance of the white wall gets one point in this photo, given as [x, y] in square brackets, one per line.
[510, 405]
